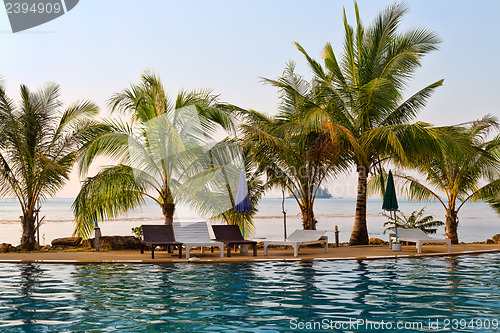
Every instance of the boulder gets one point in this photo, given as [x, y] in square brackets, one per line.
[67, 241]
[496, 239]
[489, 241]
[46, 248]
[376, 241]
[5, 247]
[105, 243]
[116, 243]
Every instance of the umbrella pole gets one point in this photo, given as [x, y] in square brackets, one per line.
[243, 247]
[395, 227]
[284, 215]
[38, 228]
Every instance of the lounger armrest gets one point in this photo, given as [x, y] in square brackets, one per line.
[239, 242]
[160, 243]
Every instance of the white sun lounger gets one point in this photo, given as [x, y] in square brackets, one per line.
[195, 234]
[419, 237]
[300, 237]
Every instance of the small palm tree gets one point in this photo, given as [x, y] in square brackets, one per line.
[164, 155]
[39, 143]
[363, 96]
[470, 172]
[416, 220]
[294, 153]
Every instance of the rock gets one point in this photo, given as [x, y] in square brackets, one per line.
[67, 241]
[496, 239]
[117, 243]
[376, 241]
[105, 243]
[5, 247]
[46, 248]
[15, 248]
[489, 241]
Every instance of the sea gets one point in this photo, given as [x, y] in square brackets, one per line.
[478, 221]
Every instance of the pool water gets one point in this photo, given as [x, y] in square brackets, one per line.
[254, 297]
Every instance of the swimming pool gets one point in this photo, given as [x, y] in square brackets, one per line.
[254, 297]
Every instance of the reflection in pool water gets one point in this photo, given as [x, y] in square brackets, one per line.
[264, 296]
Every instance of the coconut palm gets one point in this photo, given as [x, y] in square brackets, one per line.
[294, 155]
[39, 142]
[467, 173]
[164, 154]
[416, 220]
[363, 96]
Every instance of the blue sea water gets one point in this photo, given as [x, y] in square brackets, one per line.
[452, 294]
[477, 221]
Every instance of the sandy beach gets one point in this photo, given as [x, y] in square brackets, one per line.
[367, 252]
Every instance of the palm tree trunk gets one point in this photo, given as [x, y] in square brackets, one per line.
[168, 212]
[28, 241]
[308, 220]
[452, 226]
[359, 235]
[167, 204]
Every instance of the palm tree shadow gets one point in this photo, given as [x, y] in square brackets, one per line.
[30, 275]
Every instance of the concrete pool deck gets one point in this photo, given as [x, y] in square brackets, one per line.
[367, 252]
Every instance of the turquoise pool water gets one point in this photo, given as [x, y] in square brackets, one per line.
[254, 297]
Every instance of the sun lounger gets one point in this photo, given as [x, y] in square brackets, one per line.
[419, 237]
[301, 237]
[231, 235]
[195, 234]
[157, 235]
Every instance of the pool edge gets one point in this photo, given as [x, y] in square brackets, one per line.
[240, 260]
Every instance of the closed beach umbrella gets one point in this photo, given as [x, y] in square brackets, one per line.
[242, 203]
[390, 200]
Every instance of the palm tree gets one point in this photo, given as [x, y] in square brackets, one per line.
[39, 142]
[164, 154]
[294, 155]
[416, 220]
[470, 172]
[363, 96]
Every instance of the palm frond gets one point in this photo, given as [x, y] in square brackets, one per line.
[113, 191]
[410, 108]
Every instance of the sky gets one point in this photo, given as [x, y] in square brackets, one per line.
[100, 47]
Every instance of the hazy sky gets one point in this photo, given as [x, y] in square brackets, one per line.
[99, 47]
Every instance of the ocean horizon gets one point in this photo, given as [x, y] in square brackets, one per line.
[478, 221]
